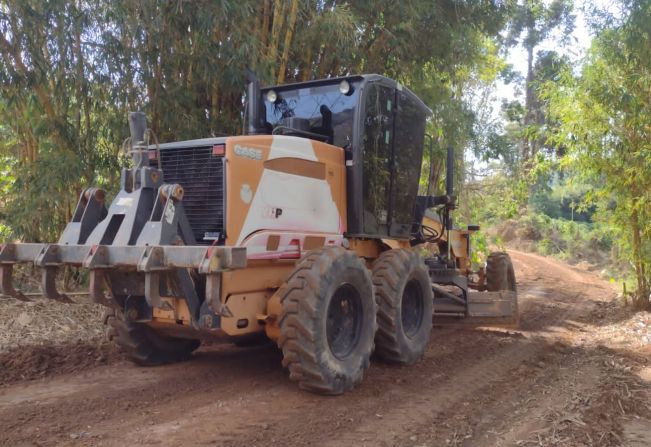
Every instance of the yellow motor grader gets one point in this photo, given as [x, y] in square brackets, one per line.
[307, 230]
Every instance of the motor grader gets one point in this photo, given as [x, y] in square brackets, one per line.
[309, 230]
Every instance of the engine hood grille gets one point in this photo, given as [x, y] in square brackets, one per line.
[202, 176]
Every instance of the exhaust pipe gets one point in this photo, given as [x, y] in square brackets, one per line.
[449, 191]
[137, 129]
[449, 175]
[254, 105]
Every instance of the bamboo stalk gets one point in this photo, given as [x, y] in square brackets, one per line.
[288, 41]
[278, 20]
[307, 65]
[266, 17]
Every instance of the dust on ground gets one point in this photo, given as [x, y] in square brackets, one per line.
[577, 372]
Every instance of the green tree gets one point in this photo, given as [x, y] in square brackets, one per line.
[70, 70]
[604, 118]
[54, 105]
[532, 22]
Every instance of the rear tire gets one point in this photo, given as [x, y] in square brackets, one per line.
[403, 292]
[499, 272]
[328, 321]
[143, 345]
[500, 277]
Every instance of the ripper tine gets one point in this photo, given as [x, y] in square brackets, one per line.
[152, 289]
[6, 283]
[49, 259]
[96, 287]
[48, 285]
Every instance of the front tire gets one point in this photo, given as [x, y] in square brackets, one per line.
[403, 291]
[328, 321]
[143, 345]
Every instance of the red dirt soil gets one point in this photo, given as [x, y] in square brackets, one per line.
[559, 379]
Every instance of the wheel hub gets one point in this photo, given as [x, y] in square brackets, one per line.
[412, 308]
[344, 321]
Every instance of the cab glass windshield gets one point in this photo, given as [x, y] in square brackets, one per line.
[314, 103]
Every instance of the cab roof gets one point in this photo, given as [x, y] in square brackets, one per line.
[364, 78]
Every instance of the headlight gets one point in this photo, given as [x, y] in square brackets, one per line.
[345, 88]
[272, 96]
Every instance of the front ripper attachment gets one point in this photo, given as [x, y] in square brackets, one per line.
[11, 254]
[144, 230]
[6, 283]
[47, 256]
[99, 259]
[141, 246]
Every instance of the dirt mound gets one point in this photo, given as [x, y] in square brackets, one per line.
[42, 322]
[42, 337]
[33, 362]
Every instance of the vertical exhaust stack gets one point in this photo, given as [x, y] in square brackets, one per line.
[449, 189]
[449, 175]
[254, 104]
[449, 180]
[137, 128]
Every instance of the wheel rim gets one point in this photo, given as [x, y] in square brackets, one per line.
[344, 323]
[412, 308]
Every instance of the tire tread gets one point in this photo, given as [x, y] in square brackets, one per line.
[388, 271]
[142, 345]
[299, 297]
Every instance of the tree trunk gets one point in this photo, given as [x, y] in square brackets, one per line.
[528, 151]
[306, 72]
[277, 25]
[214, 105]
[266, 17]
[293, 12]
[641, 300]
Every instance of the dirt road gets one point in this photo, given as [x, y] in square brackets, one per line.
[566, 377]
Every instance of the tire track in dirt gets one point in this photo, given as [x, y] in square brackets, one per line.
[232, 396]
[369, 419]
[559, 397]
[125, 391]
[417, 412]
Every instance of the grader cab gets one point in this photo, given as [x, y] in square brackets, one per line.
[309, 230]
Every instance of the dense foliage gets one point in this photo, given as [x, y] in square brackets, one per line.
[580, 146]
[70, 70]
[604, 119]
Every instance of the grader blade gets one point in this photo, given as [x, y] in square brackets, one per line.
[501, 304]
[481, 309]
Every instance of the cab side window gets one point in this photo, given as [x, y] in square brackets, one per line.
[377, 140]
[407, 153]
